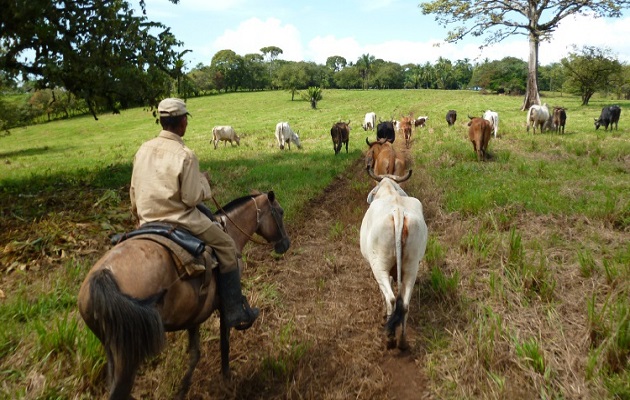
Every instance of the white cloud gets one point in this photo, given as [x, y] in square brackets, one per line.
[253, 34]
[585, 30]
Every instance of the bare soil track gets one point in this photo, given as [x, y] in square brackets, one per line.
[323, 339]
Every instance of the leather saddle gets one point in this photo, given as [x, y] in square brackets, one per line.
[191, 255]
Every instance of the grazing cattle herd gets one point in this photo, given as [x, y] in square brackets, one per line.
[393, 235]
[539, 117]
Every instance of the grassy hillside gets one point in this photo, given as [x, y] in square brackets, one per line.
[532, 247]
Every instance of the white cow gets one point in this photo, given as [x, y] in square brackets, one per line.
[225, 133]
[493, 118]
[420, 121]
[369, 122]
[285, 135]
[393, 240]
[537, 116]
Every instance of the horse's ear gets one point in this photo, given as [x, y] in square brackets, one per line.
[271, 196]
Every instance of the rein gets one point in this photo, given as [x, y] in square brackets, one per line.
[238, 227]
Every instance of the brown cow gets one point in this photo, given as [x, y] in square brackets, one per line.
[479, 133]
[406, 126]
[383, 159]
[340, 133]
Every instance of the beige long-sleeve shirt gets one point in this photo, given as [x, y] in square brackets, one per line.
[166, 184]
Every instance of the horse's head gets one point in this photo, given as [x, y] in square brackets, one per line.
[271, 223]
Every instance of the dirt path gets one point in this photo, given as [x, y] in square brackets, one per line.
[323, 337]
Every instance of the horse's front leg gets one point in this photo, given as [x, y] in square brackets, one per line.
[194, 354]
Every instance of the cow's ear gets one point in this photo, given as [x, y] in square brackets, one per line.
[271, 196]
[255, 192]
[372, 193]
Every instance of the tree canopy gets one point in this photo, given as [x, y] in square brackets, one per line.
[98, 50]
[497, 20]
[589, 70]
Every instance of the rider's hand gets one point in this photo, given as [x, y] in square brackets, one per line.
[207, 176]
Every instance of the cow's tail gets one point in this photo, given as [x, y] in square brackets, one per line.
[529, 117]
[400, 231]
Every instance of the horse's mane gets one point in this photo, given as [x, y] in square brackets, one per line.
[237, 203]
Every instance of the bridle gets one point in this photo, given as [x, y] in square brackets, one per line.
[274, 214]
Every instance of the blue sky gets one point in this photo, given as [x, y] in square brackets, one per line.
[394, 30]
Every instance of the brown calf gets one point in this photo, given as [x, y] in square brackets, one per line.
[406, 125]
[479, 133]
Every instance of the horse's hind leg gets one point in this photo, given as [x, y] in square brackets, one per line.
[195, 354]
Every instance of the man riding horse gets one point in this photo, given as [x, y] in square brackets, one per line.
[167, 186]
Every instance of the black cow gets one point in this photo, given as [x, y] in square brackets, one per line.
[609, 116]
[559, 117]
[385, 130]
[340, 133]
[451, 117]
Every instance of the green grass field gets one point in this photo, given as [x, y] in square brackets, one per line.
[518, 233]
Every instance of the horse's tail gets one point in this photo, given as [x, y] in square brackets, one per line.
[131, 329]
[398, 315]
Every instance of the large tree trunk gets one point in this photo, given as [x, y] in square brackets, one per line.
[531, 95]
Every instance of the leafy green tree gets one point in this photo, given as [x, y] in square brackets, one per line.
[497, 20]
[462, 73]
[97, 50]
[348, 78]
[551, 77]
[271, 53]
[201, 78]
[427, 76]
[389, 76]
[621, 81]
[229, 68]
[292, 77]
[364, 64]
[336, 63]
[589, 70]
[255, 76]
[506, 75]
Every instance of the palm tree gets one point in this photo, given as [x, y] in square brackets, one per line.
[364, 63]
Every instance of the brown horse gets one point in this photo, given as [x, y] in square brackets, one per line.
[134, 294]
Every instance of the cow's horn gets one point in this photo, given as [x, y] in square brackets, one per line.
[367, 141]
[370, 172]
[470, 117]
[403, 178]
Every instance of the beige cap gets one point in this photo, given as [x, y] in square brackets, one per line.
[172, 107]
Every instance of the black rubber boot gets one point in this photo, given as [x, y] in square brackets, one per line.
[235, 306]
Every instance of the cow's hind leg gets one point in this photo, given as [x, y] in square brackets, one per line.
[194, 354]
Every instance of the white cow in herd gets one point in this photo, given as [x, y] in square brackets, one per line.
[226, 134]
[537, 116]
[493, 118]
[369, 122]
[285, 135]
[393, 240]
